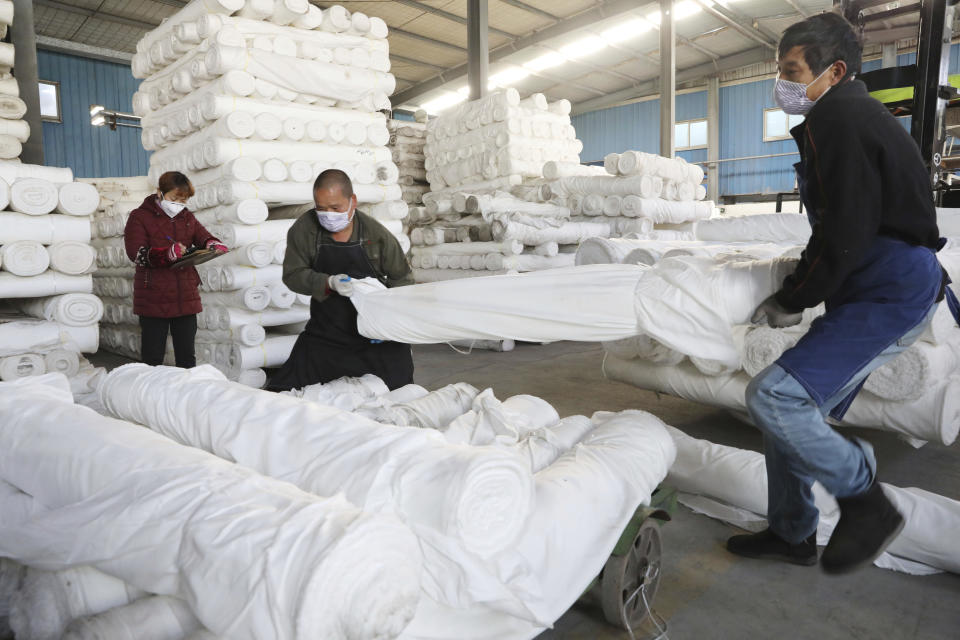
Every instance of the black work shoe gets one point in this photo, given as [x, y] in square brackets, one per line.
[868, 523]
[767, 544]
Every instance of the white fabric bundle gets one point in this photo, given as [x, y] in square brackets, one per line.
[44, 229]
[255, 254]
[449, 495]
[72, 309]
[50, 600]
[22, 366]
[272, 352]
[251, 212]
[350, 393]
[33, 196]
[11, 171]
[41, 336]
[150, 618]
[553, 170]
[436, 410]
[77, 199]
[24, 258]
[643, 348]
[591, 303]
[912, 373]
[62, 361]
[665, 211]
[789, 228]
[48, 283]
[264, 584]
[233, 277]
[255, 298]
[608, 250]
[238, 235]
[12, 107]
[231, 318]
[72, 258]
[249, 335]
[763, 345]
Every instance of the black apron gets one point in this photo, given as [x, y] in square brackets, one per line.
[330, 346]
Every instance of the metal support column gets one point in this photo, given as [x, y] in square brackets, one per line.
[25, 70]
[713, 137]
[668, 79]
[932, 87]
[478, 51]
[888, 55]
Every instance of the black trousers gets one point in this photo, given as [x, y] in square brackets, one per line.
[153, 339]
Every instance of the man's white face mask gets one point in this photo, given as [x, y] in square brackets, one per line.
[792, 96]
[334, 221]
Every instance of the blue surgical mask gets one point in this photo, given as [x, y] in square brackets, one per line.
[334, 221]
[792, 96]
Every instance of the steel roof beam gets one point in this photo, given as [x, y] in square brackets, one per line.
[90, 13]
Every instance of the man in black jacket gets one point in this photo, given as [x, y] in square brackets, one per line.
[871, 260]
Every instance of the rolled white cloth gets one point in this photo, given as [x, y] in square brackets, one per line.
[935, 416]
[712, 367]
[667, 212]
[77, 199]
[72, 258]
[33, 196]
[763, 345]
[553, 169]
[255, 254]
[450, 496]
[149, 618]
[44, 229]
[233, 277]
[912, 373]
[591, 303]
[248, 334]
[50, 600]
[62, 361]
[358, 576]
[790, 228]
[22, 366]
[436, 410]
[254, 298]
[349, 393]
[643, 348]
[24, 258]
[272, 352]
[72, 309]
[281, 297]
[606, 250]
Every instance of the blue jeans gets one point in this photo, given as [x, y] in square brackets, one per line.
[800, 447]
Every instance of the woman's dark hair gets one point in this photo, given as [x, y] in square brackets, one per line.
[176, 182]
[825, 38]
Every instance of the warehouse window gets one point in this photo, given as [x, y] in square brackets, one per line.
[691, 134]
[50, 101]
[777, 124]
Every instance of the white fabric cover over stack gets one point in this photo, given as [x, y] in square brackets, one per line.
[71, 475]
[46, 259]
[253, 100]
[14, 130]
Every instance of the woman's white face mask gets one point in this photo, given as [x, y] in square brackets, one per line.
[170, 207]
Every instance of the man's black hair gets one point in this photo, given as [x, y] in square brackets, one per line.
[334, 178]
[825, 38]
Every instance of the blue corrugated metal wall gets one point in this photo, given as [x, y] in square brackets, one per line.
[637, 125]
[92, 152]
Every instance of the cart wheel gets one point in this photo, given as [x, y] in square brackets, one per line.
[623, 575]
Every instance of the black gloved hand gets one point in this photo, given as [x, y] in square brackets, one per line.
[774, 314]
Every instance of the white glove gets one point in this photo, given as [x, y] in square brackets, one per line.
[342, 284]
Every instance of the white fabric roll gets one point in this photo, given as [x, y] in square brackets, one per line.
[18, 129]
[280, 296]
[908, 376]
[274, 170]
[763, 345]
[254, 298]
[235, 235]
[22, 366]
[553, 170]
[235, 277]
[12, 108]
[62, 361]
[182, 495]
[788, 228]
[72, 258]
[255, 254]
[33, 196]
[269, 317]
[24, 258]
[12, 171]
[77, 199]
[643, 348]
[249, 335]
[48, 283]
[150, 618]
[72, 309]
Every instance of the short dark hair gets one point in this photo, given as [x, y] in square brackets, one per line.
[825, 38]
[176, 182]
[334, 178]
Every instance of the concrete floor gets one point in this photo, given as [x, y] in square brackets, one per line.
[706, 593]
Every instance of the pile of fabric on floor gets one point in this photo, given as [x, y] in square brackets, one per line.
[48, 313]
[14, 130]
[252, 100]
[731, 484]
[406, 148]
[449, 509]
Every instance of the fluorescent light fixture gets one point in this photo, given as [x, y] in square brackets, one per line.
[95, 109]
[443, 102]
[626, 31]
[545, 61]
[98, 120]
[583, 47]
[507, 77]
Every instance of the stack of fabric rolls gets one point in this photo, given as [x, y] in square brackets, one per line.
[463, 503]
[14, 130]
[50, 314]
[254, 99]
[241, 292]
[406, 147]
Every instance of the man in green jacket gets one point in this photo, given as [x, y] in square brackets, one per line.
[328, 247]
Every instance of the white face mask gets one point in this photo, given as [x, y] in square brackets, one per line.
[792, 96]
[334, 221]
[172, 208]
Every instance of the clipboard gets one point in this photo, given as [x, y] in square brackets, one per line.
[197, 256]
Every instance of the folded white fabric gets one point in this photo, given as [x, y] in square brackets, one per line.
[451, 495]
[24, 258]
[357, 577]
[590, 303]
[790, 228]
[149, 618]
